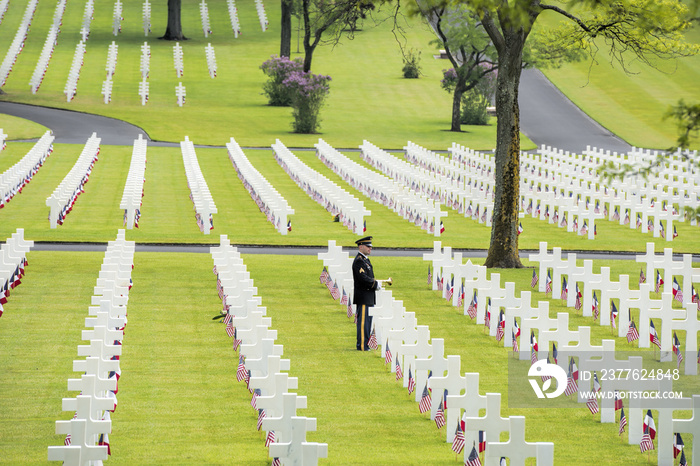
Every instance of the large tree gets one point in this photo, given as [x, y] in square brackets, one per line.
[173, 30]
[287, 7]
[640, 29]
[331, 19]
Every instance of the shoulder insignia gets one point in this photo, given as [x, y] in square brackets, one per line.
[362, 270]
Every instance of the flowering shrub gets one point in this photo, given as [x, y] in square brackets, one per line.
[411, 65]
[278, 68]
[307, 91]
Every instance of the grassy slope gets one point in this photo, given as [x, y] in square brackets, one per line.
[368, 99]
[632, 105]
[178, 398]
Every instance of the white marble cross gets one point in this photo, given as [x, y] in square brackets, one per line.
[437, 257]
[80, 451]
[471, 402]
[691, 326]
[491, 423]
[420, 349]
[692, 425]
[436, 363]
[297, 450]
[452, 382]
[517, 449]
[273, 403]
[540, 320]
[180, 92]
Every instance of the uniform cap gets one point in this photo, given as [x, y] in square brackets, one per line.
[367, 241]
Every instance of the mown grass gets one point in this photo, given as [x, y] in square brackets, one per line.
[179, 401]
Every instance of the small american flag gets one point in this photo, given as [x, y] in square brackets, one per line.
[399, 372]
[515, 343]
[324, 275]
[372, 342]
[430, 276]
[632, 333]
[256, 394]
[548, 284]
[646, 444]
[458, 441]
[411, 382]
[564, 288]
[344, 299]
[535, 279]
[471, 310]
[623, 421]
[261, 416]
[642, 277]
[335, 291]
[230, 329]
[387, 353]
[236, 341]
[571, 386]
[501, 326]
[440, 416]
[487, 317]
[677, 349]
[241, 372]
[425, 402]
[450, 289]
[460, 297]
[270, 438]
[592, 402]
[473, 459]
[350, 312]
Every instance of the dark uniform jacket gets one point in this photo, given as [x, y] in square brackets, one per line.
[365, 284]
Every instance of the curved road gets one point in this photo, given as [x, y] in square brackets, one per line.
[547, 117]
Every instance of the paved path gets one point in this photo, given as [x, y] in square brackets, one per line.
[547, 117]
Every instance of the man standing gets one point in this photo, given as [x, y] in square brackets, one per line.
[364, 293]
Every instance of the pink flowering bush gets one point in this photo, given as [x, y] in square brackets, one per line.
[307, 92]
[278, 69]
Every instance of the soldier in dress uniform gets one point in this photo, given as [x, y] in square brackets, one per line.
[364, 293]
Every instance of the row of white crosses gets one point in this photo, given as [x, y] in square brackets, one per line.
[178, 59]
[15, 178]
[49, 45]
[642, 299]
[464, 181]
[558, 179]
[117, 18]
[133, 189]
[145, 69]
[18, 42]
[146, 18]
[87, 434]
[88, 13]
[266, 197]
[558, 190]
[61, 201]
[411, 206]
[3, 8]
[211, 60]
[350, 210]
[260, 7]
[13, 260]
[576, 343]
[204, 13]
[261, 363]
[199, 190]
[71, 88]
[233, 14]
[180, 94]
[408, 345]
[110, 68]
[416, 180]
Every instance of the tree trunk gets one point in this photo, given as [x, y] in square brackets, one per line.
[456, 110]
[174, 29]
[503, 250]
[286, 32]
[308, 56]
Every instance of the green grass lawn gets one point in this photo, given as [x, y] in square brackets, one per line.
[179, 401]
